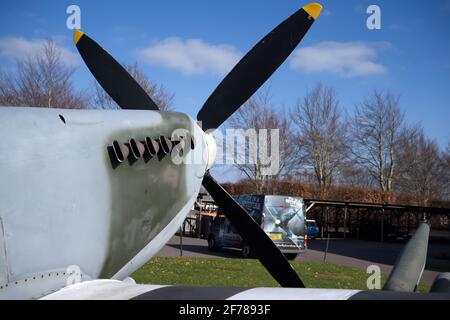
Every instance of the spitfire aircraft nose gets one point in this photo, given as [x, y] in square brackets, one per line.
[249, 74]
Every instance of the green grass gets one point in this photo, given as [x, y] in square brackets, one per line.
[224, 272]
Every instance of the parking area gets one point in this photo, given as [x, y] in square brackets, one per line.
[352, 253]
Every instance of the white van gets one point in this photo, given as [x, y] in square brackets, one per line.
[281, 217]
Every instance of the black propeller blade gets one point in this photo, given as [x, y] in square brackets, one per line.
[116, 81]
[265, 249]
[256, 67]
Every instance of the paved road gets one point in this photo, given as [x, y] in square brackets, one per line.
[352, 253]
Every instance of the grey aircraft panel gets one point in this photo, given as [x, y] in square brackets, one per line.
[61, 201]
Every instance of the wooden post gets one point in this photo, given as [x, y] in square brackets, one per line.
[345, 222]
[326, 249]
[199, 227]
[359, 223]
[408, 223]
[181, 241]
[323, 224]
[448, 222]
[336, 220]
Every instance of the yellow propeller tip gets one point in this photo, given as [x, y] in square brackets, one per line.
[313, 9]
[77, 36]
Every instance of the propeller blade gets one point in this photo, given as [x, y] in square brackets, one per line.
[264, 248]
[408, 268]
[256, 67]
[442, 283]
[116, 81]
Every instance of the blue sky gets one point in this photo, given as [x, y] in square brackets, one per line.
[188, 46]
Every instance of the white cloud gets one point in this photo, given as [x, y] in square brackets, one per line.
[191, 56]
[19, 48]
[346, 59]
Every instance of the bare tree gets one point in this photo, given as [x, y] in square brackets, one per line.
[6, 90]
[321, 135]
[41, 80]
[376, 130]
[254, 116]
[354, 176]
[421, 170]
[446, 171]
[160, 96]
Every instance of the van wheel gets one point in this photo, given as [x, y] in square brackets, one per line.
[246, 251]
[291, 256]
[212, 245]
